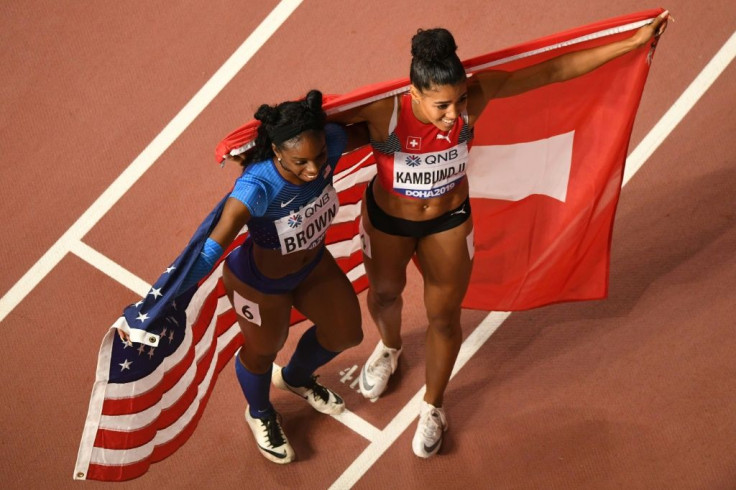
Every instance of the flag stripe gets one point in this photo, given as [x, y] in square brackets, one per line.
[169, 372]
[166, 435]
[204, 353]
[577, 40]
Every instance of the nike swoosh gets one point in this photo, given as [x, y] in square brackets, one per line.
[367, 386]
[292, 389]
[433, 446]
[278, 455]
[284, 204]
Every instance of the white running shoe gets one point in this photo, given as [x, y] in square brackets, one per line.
[377, 369]
[428, 437]
[322, 399]
[270, 438]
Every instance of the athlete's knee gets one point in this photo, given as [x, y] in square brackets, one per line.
[255, 361]
[352, 326]
[347, 334]
[446, 330]
[445, 323]
[353, 337]
[353, 331]
[386, 296]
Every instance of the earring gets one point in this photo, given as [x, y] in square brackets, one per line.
[279, 159]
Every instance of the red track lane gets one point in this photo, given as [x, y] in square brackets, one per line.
[636, 391]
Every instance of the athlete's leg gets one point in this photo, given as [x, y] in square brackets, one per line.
[385, 258]
[327, 298]
[446, 262]
[263, 319]
[264, 322]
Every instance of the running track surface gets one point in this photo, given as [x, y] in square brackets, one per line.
[636, 391]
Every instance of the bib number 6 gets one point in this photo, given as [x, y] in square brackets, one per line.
[246, 312]
[246, 308]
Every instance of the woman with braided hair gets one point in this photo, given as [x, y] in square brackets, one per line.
[408, 211]
[285, 196]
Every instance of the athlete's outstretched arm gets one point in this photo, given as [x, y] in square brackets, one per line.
[497, 84]
[234, 216]
[375, 115]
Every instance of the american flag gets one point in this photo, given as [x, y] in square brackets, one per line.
[148, 397]
[545, 176]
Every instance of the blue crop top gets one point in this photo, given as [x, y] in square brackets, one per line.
[287, 216]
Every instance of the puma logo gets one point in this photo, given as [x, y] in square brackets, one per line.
[443, 137]
[459, 211]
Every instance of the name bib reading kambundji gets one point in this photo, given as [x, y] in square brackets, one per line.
[429, 174]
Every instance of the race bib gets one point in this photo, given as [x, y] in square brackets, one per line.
[306, 228]
[429, 174]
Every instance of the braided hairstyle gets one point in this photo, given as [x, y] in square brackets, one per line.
[283, 124]
[434, 61]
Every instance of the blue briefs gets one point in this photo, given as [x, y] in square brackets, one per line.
[243, 266]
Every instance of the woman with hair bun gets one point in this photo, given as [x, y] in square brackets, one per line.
[285, 196]
[431, 217]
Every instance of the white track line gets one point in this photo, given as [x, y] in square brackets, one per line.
[110, 268]
[680, 108]
[359, 425]
[148, 156]
[483, 332]
[387, 437]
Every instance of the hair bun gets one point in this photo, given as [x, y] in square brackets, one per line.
[313, 101]
[433, 44]
[267, 114]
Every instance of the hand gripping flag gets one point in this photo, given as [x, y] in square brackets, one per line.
[545, 174]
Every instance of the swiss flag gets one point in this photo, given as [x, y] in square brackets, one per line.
[414, 143]
[545, 175]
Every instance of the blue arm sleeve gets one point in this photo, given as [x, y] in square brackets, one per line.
[206, 260]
